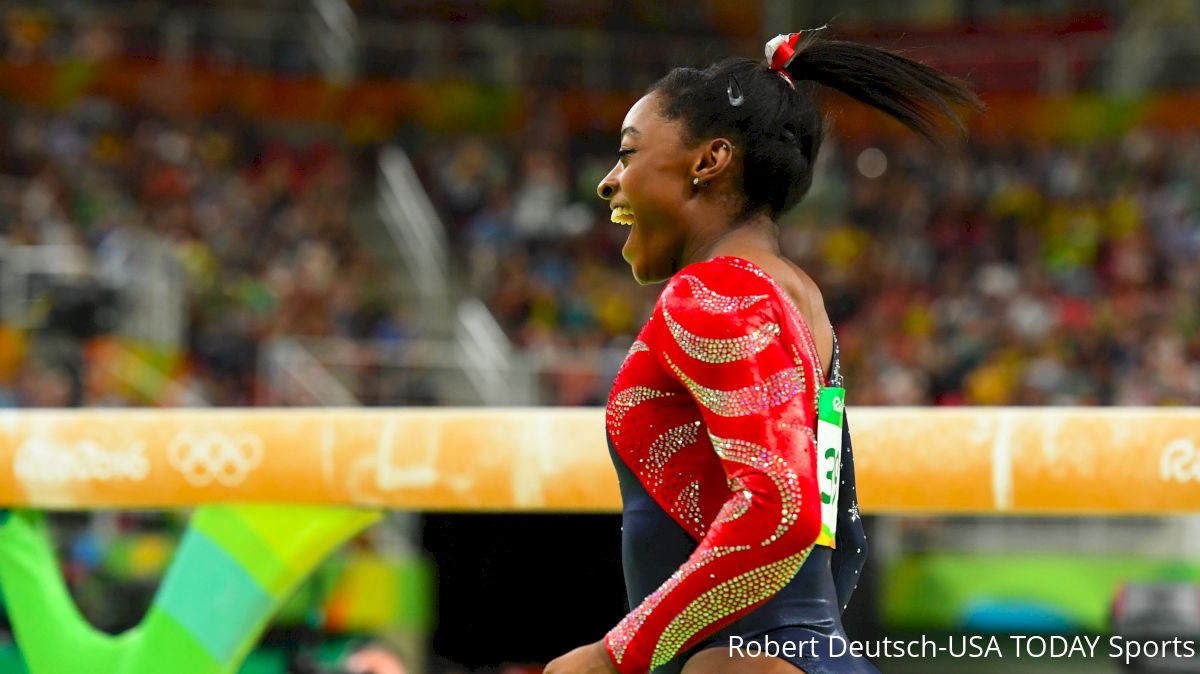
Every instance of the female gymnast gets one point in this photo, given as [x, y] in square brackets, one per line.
[741, 542]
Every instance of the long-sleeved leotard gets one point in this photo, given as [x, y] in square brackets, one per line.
[714, 411]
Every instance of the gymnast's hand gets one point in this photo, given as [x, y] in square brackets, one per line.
[590, 659]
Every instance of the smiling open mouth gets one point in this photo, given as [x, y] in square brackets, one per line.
[622, 215]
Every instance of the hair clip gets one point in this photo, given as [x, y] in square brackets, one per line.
[735, 92]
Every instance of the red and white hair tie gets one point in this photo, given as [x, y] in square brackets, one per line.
[781, 49]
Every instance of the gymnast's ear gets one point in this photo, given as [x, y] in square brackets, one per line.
[713, 159]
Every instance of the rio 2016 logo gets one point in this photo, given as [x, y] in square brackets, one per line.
[50, 461]
[1180, 461]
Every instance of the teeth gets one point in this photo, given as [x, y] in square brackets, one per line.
[622, 215]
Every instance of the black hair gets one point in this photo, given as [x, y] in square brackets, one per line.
[778, 126]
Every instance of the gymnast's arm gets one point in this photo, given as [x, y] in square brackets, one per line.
[756, 398]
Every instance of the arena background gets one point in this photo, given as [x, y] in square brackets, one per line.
[322, 203]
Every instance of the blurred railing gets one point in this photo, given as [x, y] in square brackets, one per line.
[129, 283]
[335, 34]
[414, 227]
[290, 376]
[151, 283]
[463, 356]
[485, 356]
[133, 287]
[1157, 46]
[311, 370]
[27, 273]
[325, 37]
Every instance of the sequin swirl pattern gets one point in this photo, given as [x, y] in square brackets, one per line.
[629, 398]
[716, 303]
[724, 600]
[619, 637]
[666, 446]
[755, 399]
[714, 420]
[721, 350]
[687, 506]
[734, 508]
[785, 479]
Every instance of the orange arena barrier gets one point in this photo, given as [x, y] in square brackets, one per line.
[908, 460]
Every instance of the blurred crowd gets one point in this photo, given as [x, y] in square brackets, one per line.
[1015, 272]
[255, 231]
[1018, 271]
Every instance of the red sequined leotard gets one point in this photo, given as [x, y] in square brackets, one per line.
[714, 412]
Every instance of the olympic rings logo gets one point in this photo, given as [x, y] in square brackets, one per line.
[205, 458]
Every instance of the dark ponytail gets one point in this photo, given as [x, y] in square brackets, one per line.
[775, 122]
[913, 93]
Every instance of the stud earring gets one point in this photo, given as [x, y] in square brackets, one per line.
[696, 182]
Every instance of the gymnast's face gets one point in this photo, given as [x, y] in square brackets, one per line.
[648, 190]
